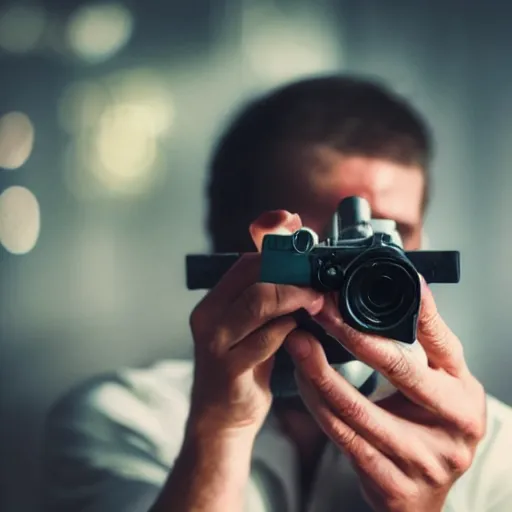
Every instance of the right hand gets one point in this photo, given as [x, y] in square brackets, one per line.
[237, 328]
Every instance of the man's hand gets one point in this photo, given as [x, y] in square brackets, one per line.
[237, 329]
[410, 448]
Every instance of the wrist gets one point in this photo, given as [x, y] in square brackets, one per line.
[231, 445]
[210, 473]
[206, 422]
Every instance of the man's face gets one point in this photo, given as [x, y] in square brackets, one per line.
[394, 191]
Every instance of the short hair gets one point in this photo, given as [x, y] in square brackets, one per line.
[351, 115]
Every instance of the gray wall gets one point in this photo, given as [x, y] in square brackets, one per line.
[104, 286]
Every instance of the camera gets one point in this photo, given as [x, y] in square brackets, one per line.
[375, 282]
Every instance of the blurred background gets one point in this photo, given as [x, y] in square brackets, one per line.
[108, 112]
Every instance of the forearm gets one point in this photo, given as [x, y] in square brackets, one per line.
[210, 474]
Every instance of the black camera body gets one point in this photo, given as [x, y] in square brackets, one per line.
[375, 282]
[377, 287]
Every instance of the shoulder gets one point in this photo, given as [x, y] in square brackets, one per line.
[127, 392]
[141, 411]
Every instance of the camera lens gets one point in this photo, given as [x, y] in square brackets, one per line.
[380, 292]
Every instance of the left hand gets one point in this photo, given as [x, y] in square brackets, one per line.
[410, 448]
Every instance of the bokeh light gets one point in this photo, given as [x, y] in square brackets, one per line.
[97, 32]
[145, 89]
[20, 221]
[16, 140]
[280, 47]
[125, 146]
[21, 27]
[116, 124]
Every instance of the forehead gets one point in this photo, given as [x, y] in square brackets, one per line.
[394, 191]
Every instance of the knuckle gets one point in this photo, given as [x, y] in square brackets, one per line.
[470, 422]
[263, 301]
[367, 457]
[349, 440]
[434, 474]
[355, 411]
[459, 460]
[216, 345]
[397, 367]
[440, 341]
[472, 429]
[430, 322]
[324, 384]
[198, 322]
[264, 341]
[254, 303]
[215, 342]
[278, 296]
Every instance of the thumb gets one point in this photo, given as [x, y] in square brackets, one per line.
[276, 222]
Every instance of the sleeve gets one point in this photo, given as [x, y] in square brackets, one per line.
[103, 451]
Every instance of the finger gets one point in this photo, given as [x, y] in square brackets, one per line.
[275, 222]
[348, 417]
[384, 488]
[376, 425]
[259, 304]
[396, 438]
[261, 345]
[443, 348]
[406, 369]
[245, 272]
[366, 458]
[242, 274]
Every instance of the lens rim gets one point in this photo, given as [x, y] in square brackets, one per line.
[367, 317]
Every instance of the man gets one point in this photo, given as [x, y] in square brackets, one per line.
[207, 437]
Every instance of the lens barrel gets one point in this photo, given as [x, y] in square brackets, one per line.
[380, 291]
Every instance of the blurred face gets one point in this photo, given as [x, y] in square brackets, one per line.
[394, 191]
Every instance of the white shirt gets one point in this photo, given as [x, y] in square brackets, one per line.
[111, 443]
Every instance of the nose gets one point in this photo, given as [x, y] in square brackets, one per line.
[370, 184]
